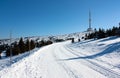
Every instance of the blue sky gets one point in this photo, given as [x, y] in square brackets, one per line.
[54, 17]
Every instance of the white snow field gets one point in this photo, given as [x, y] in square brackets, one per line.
[85, 59]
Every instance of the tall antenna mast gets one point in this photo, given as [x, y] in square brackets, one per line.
[89, 19]
[90, 28]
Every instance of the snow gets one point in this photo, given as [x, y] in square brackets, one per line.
[77, 35]
[3, 54]
[85, 59]
[6, 61]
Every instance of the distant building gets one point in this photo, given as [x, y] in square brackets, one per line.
[90, 28]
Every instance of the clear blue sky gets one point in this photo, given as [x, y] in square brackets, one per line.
[54, 17]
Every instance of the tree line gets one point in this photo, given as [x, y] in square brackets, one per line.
[102, 33]
[22, 46]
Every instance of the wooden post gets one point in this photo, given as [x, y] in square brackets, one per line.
[10, 47]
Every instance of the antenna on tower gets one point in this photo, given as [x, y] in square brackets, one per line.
[89, 19]
[89, 28]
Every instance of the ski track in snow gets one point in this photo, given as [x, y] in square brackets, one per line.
[70, 72]
[58, 61]
[103, 70]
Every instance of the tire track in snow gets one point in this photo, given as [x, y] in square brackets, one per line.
[101, 69]
[65, 67]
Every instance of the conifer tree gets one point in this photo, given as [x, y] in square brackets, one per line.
[22, 45]
[38, 44]
[8, 52]
[73, 40]
[49, 42]
[27, 45]
[42, 43]
[86, 36]
[32, 44]
[78, 40]
[15, 49]
[101, 33]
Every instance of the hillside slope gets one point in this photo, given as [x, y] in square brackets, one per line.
[86, 59]
[39, 38]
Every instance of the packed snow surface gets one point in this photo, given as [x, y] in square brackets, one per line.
[85, 59]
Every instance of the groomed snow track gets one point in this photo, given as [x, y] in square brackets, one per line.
[57, 61]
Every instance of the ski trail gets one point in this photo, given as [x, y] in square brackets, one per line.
[101, 69]
[55, 61]
[74, 68]
[72, 73]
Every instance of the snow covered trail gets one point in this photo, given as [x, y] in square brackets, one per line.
[94, 65]
[54, 61]
[42, 64]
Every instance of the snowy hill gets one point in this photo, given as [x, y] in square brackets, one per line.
[6, 61]
[39, 38]
[85, 59]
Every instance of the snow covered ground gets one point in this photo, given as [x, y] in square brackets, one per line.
[6, 61]
[77, 35]
[86, 59]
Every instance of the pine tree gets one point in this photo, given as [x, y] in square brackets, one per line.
[114, 29]
[118, 30]
[86, 36]
[49, 42]
[15, 49]
[8, 52]
[38, 45]
[95, 34]
[22, 45]
[42, 43]
[32, 44]
[101, 33]
[78, 40]
[73, 40]
[27, 45]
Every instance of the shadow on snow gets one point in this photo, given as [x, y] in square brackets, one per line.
[110, 38]
[110, 49]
